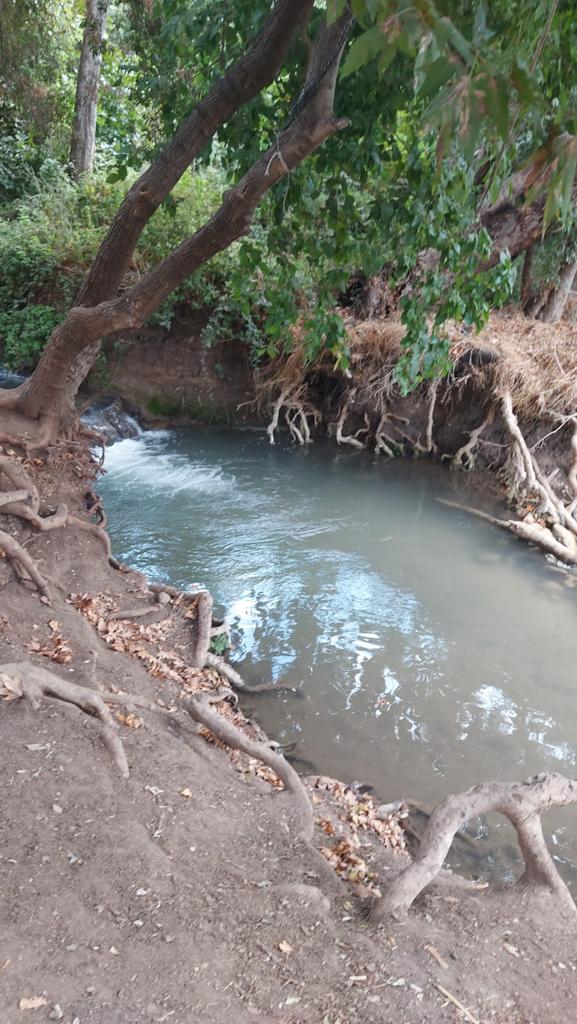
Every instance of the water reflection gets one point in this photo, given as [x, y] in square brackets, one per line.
[432, 651]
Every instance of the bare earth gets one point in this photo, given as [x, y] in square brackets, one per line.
[182, 894]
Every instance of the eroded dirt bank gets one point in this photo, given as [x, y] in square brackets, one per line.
[184, 891]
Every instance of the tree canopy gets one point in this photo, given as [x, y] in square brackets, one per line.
[457, 112]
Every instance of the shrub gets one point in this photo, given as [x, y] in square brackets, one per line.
[24, 332]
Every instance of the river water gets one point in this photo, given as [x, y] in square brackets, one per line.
[431, 650]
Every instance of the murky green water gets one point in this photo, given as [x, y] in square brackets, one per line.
[431, 650]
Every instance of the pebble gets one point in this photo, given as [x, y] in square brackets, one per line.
[385, 810]
[56, 1013]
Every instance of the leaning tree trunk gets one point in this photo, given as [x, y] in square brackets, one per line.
[554, 308]
[49, 393]
[83, 142]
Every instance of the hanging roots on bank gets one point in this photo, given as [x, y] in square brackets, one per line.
[548, 519]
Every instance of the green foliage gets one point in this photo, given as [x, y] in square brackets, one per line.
[444, 101]
[219, 644]
[23, 334]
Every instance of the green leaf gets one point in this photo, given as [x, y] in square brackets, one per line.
[437, 75]
[364, 49]
[497, 104]
[524, 84]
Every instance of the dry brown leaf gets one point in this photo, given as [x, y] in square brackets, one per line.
[327, 826]
[10, 687]
[130, 720]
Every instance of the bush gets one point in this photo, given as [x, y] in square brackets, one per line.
[24, 333]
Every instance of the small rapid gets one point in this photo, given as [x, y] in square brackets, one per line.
[431, 650]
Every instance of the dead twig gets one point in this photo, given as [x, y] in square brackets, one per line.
[453, 999]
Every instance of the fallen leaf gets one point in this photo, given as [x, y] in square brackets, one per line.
[285, 947]
[10, 687]
[31, 1002]
[186, 792]
[130, 720]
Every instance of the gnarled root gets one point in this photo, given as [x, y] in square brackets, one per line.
[522, 803]
[199, 708]
[340, 436]
[464, 458]
[557, 535]
[297, 413]
[23, 562]
[204, 625]
[28, 681]
[237, 682]
[554, 542]
[24, 503]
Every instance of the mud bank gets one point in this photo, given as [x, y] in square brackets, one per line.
[185, 888]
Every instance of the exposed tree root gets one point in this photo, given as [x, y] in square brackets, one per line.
[237, 682]
[522, 803]
[23, 562]
[24, 503]
[297, 413]
[273, 425]
[340, 436]
[203, 626]
[464, 457]
[383, 441]
[527, 529]
[430, 445]
[199, 708]
[28, 681]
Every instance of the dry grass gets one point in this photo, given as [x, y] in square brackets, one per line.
[537, 364]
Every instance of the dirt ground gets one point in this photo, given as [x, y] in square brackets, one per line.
[181, 893]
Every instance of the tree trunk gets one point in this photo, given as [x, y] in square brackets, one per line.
[555, 306]
[526, 275]
[49, 393]
[83, 142]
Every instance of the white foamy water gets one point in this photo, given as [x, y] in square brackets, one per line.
[147, 464]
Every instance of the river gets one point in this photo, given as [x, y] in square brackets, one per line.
[431, 650]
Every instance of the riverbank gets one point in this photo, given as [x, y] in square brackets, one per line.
[185, 889]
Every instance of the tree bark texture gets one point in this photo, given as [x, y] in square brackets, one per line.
[50, 391]
[83, 143]
[555, 306]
